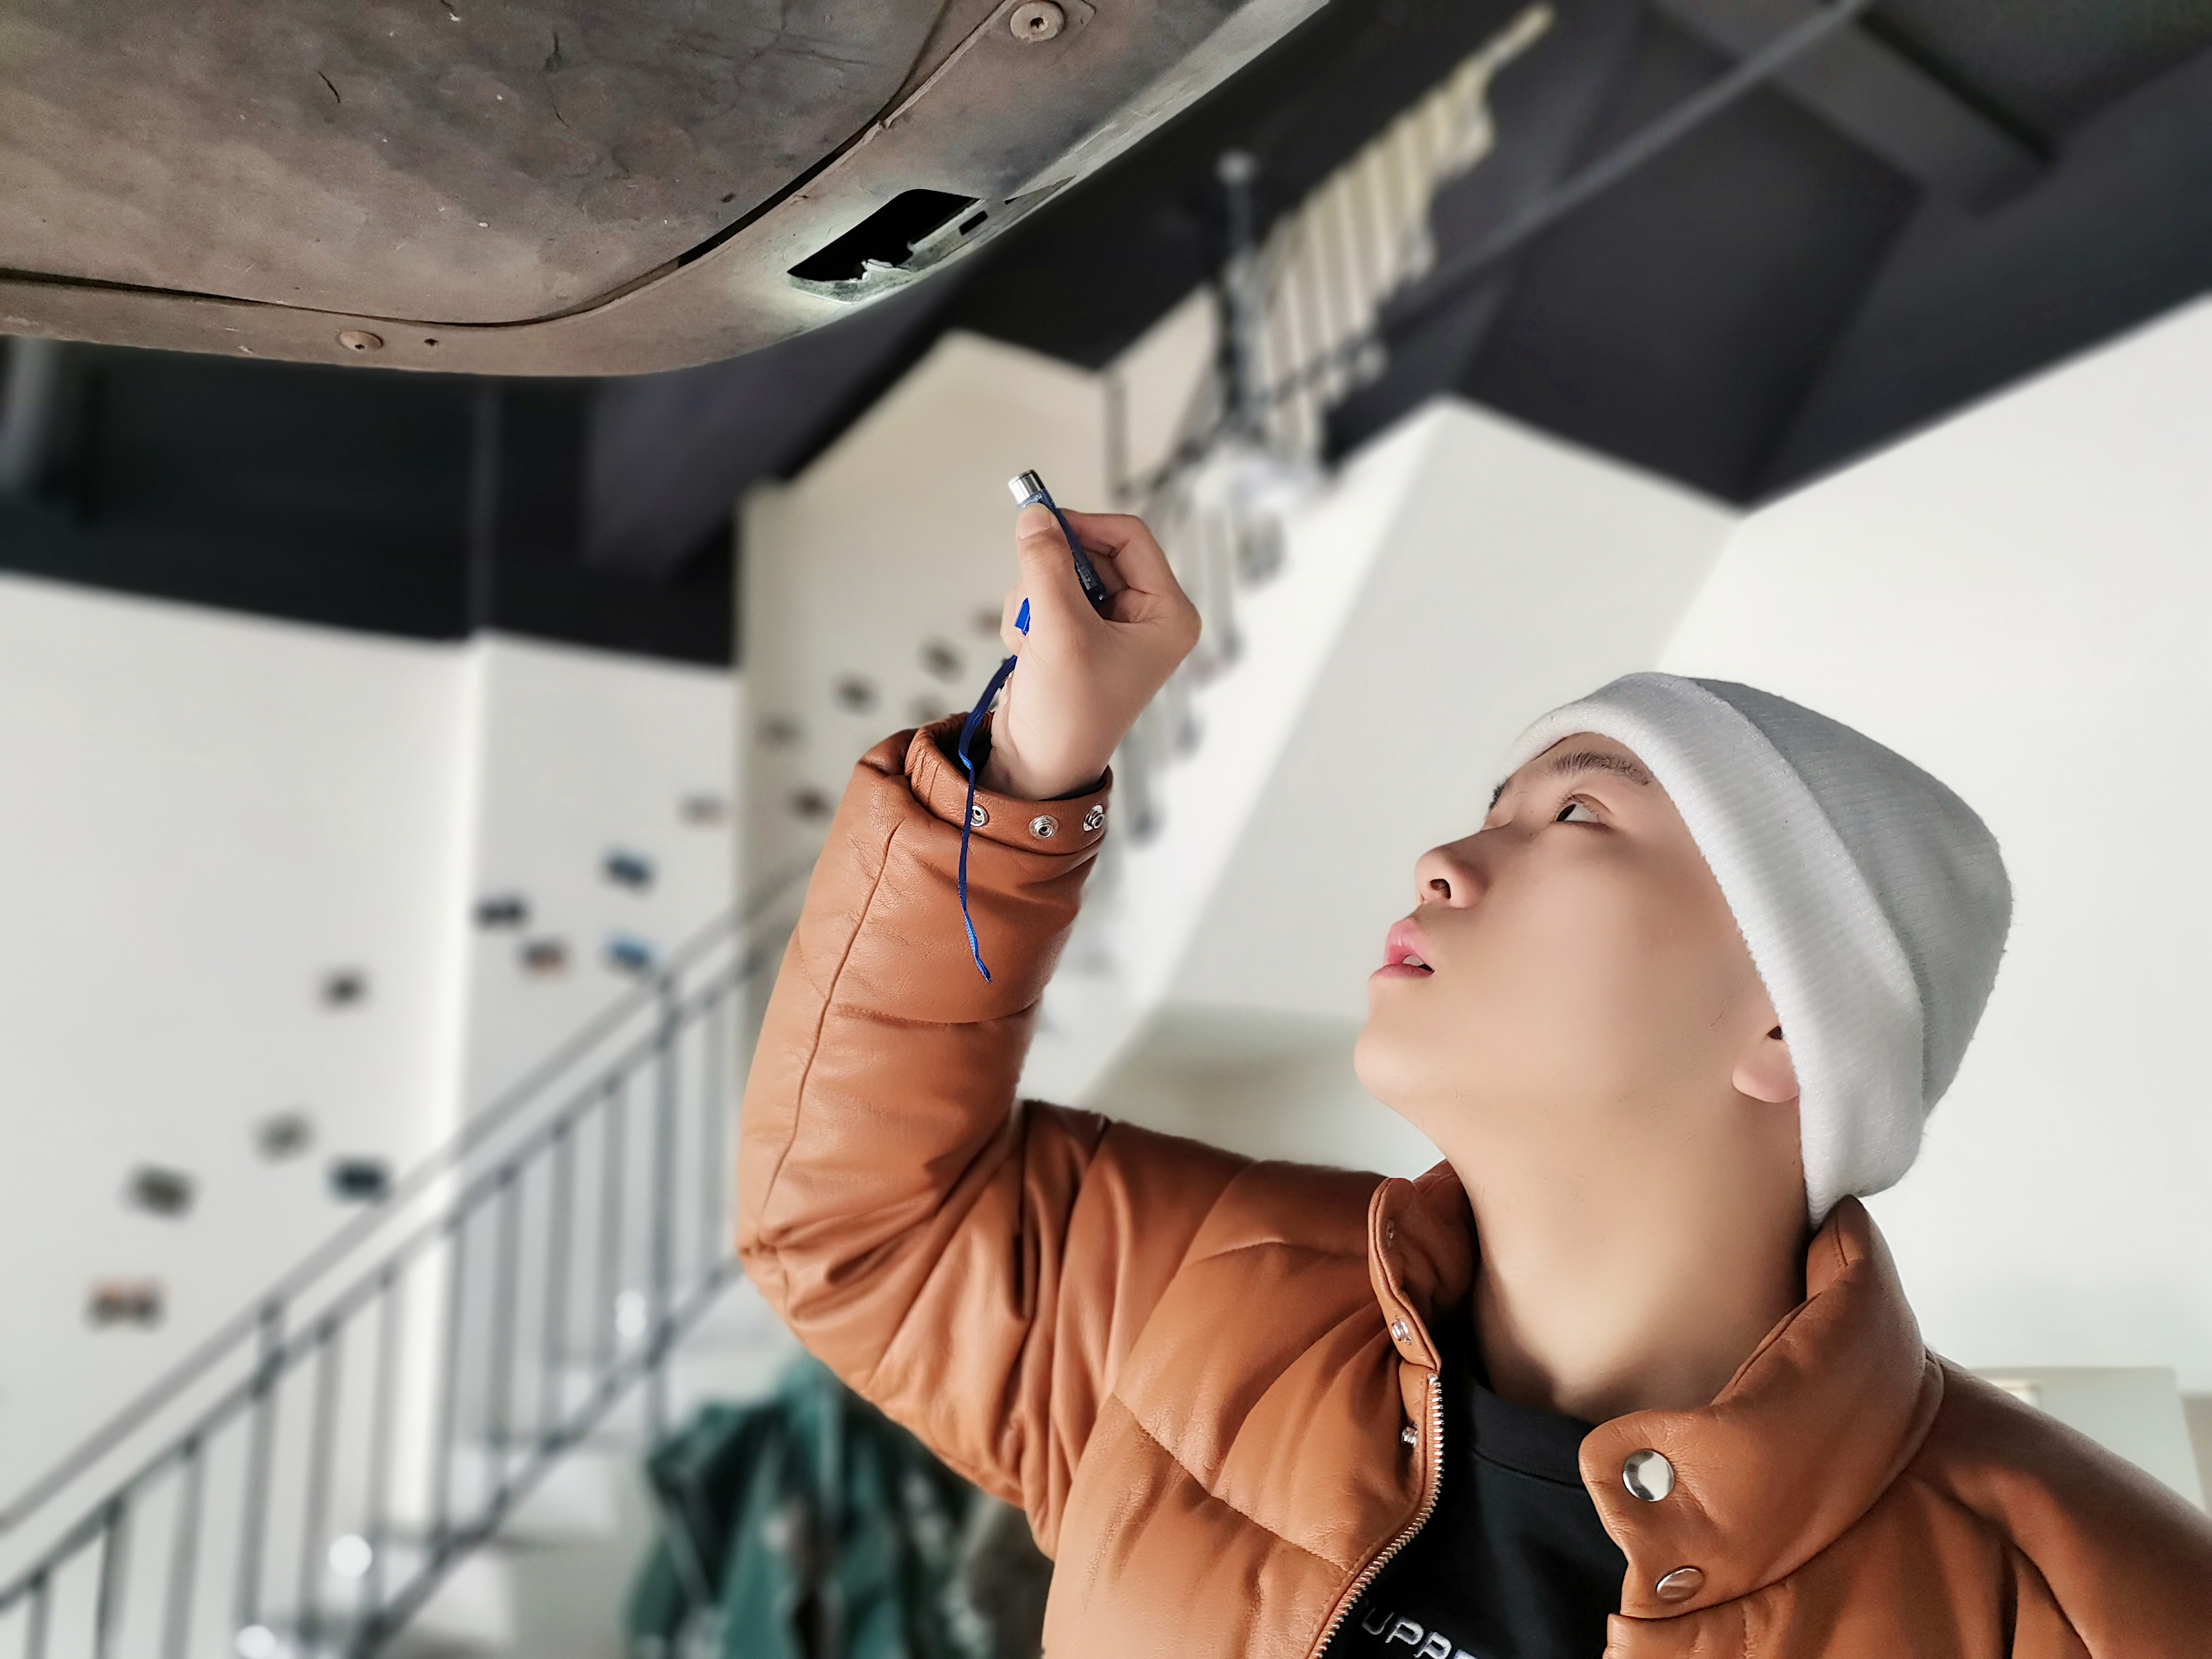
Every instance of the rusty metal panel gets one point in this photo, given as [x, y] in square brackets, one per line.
[553, 186]
[454, 159]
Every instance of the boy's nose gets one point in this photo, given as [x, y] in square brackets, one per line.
[1449, 874]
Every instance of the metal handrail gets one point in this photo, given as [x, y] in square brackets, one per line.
[480, 1126]
[1365, 347]
[679, 1027]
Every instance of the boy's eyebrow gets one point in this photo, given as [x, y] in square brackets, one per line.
[1583, 760]
[1596, 760]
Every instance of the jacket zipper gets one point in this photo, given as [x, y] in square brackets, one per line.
[1420, 1519]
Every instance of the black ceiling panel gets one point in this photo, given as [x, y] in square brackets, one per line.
[1677, 323]
[417, 504]
[2046, 64]
[1966, 305]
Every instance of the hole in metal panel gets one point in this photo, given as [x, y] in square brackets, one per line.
[885, 237]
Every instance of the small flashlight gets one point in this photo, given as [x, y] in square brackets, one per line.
[1028, 488]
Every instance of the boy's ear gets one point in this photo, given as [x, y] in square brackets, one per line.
[1765, 1071]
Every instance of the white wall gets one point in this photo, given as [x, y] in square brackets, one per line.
[2019, 600]
[584, 752]
[199, 815]
[1497, 571]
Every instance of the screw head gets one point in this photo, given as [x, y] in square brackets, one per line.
[1037, 20]
[360, 339]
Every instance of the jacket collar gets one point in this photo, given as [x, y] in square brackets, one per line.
[1811, 1429]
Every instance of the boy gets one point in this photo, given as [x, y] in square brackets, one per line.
[1629, 1372]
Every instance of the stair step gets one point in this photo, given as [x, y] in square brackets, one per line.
[472, 1610]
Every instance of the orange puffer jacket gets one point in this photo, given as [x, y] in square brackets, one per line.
[1210, 1382]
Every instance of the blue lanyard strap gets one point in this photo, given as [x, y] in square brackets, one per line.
[1093, 590]
[973, 724]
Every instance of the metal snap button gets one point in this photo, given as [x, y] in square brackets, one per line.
[1397, 1330]
[1408, 1434]
[1043, 827]
[1680, 1585]
[977, 817]
[1649, 1476]
[1094, 817]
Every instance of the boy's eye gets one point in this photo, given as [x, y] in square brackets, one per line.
[1576, 812]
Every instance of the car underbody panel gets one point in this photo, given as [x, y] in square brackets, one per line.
[549, 186]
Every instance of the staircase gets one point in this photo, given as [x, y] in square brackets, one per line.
[426, 1436]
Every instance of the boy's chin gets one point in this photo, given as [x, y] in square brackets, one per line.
[1387, 1071]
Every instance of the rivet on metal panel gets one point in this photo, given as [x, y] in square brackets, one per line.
[1037, 20]
[360, 339]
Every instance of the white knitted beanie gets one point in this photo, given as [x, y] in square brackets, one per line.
[1873, 899]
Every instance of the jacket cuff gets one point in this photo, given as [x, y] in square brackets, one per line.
[1073, 824]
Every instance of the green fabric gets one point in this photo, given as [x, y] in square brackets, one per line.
[808, 1526]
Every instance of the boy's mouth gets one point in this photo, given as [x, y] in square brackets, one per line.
[1405, 952]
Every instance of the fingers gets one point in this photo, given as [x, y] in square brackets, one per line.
[1047, 571]
[1125, 549]
[1128, 559]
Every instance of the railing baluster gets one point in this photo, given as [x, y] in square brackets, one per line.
[560, 1216]
[184, 1552]
[665, 1077]
[260, 1451]
[449, 1386]
[36, 1618]
[715, 1101]
[390, 1308]
[499, 1381]
[330, 1361]
[613, 1133]
[1360, 239]
[114, 1563]
[1398, 205]
[1297, 306]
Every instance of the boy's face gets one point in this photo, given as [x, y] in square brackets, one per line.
[1571, 982]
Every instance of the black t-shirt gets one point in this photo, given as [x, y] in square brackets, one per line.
[1513, 1562]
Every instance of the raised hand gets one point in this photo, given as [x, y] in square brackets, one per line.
[1084, 677]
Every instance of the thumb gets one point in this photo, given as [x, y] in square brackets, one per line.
[1048, 568]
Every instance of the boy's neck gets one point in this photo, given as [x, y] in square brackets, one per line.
[1596, 1303]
